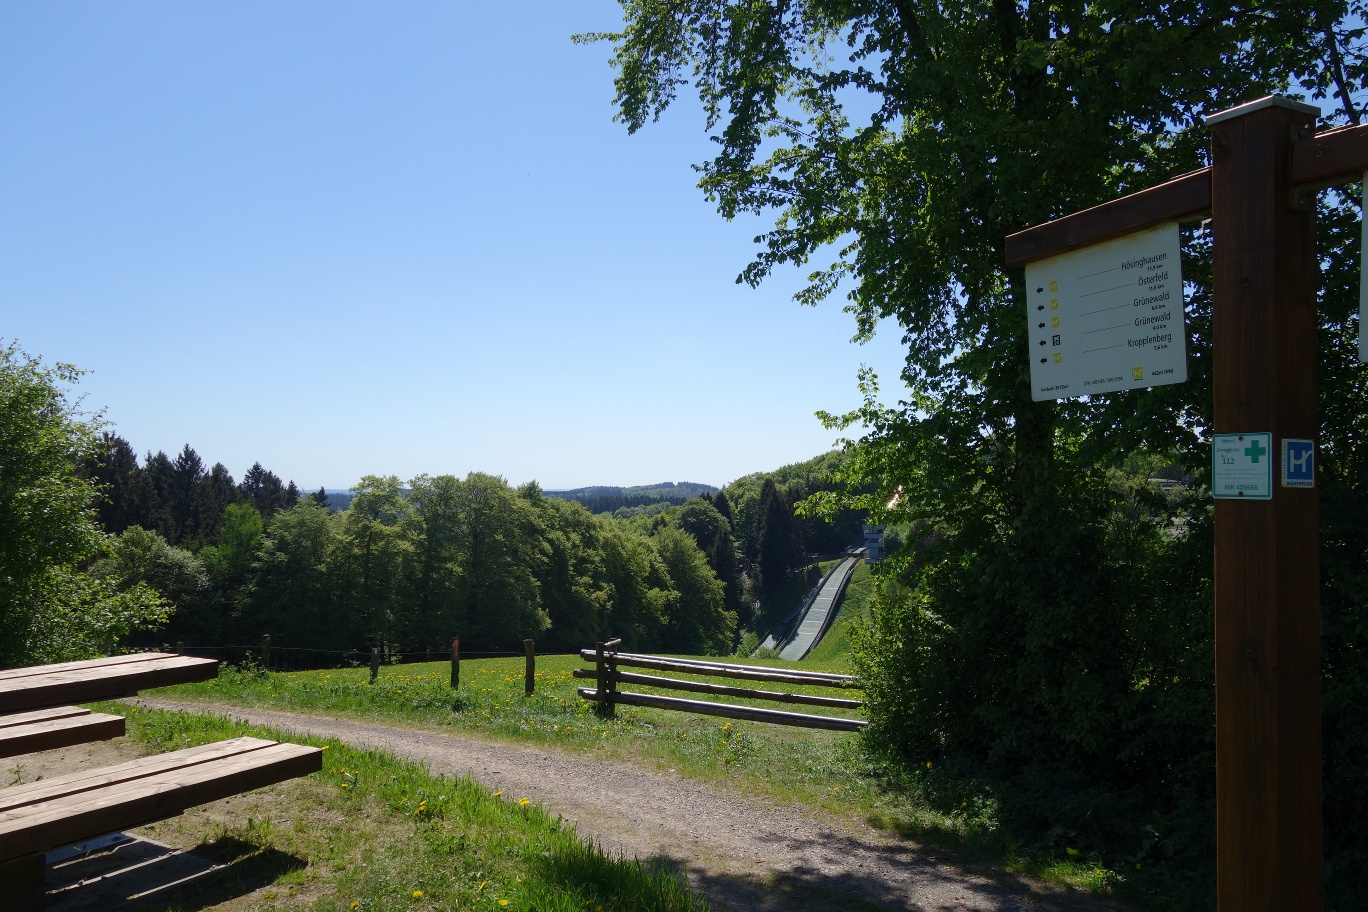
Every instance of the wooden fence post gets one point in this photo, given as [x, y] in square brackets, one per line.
[529, 675]
[607, 671]
[266, 651]
[455, 663]
[601, 684]
[375, 663]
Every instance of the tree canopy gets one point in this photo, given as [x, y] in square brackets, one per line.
[1052, 623]
[49, 607]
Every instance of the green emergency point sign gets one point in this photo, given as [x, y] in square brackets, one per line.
[1242, 466]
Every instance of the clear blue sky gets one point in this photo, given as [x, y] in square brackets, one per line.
[344, 238]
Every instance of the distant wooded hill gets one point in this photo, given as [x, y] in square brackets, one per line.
[338, 498]
[607, 498]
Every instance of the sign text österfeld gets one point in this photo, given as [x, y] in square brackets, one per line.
[1108, 317]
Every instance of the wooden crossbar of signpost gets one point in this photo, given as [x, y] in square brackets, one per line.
[1267, 162]
[1181, 199]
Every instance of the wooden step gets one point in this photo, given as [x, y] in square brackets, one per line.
[58, 726]
[44, 815]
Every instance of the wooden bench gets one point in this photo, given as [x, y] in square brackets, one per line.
[40, 816]
[40, 686]
[56, 726]
[50, 813]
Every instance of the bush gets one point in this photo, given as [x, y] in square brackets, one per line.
[49, 608]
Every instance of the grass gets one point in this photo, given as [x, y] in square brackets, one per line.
[829, 772]
[373, 832]
[782, 763]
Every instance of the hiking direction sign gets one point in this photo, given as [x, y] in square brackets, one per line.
[1108, 317]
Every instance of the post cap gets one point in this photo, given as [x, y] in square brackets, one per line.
[1268, 101]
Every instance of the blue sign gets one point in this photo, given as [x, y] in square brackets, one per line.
[1298, 463]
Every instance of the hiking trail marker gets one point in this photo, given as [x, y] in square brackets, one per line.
[1242, 466]
[1268, 162]
[1108, 317]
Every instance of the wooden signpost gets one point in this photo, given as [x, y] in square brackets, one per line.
[1267, 164]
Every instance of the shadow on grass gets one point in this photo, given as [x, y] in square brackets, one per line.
[143, 876]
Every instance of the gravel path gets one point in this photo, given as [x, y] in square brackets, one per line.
[745, 855]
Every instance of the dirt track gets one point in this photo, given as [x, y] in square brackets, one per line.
[744, 855]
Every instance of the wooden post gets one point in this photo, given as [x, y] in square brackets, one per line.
[266, 651]
[1267, 568]
[375, 663]
[605, 683]
[601, 681]
[1267, 165]
[455, 663]
[530, 674]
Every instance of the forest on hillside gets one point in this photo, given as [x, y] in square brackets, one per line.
[174, 550]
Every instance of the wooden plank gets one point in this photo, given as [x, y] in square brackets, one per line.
[47, 734]
[748, 674]
[1266, 567]
[731, 711]
[814, 675]
[723, 690]
[46, 825]
[47, 714]
[1182, 199]
[82, 685]
[83, 664]
[16, 796]
[1331, 157]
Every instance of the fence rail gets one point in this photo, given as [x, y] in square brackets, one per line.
[607, 677]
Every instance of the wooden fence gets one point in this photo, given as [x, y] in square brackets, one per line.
[607, 677]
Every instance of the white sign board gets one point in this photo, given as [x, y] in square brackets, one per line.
[1108, 317]
[1242, 466]
[1363, 285]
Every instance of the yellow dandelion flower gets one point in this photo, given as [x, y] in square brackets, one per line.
[523, 802]
[928, 764]
[356, 904]
[498, 793]
[346, 785]
[324, 747]
[503, 902]
[417, 893]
